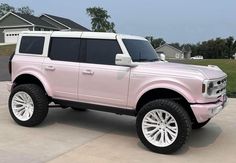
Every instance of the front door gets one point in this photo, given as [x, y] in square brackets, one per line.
[103, 84]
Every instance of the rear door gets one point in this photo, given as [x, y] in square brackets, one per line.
[100, 80]
[61, 67]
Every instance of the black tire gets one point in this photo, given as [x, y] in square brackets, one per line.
[78, 109]
[199, 125]
[179, 114]
[40, 102]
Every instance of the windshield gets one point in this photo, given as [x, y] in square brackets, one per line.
[140, 50]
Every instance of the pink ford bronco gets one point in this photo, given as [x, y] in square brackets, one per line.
[113, 73]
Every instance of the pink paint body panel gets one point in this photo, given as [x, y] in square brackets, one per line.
[104, 84]
[203, 112]
[62, 78]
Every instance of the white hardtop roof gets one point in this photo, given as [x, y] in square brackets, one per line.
[77, 34]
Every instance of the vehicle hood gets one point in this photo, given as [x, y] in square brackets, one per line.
[177, 69]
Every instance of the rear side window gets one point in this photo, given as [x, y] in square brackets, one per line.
[101, 51]
[32, 45]
[64, 49]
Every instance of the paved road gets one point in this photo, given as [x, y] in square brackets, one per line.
[74, 137]
[4, 75]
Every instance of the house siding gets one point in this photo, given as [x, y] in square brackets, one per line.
[57, 25]
[12, 20]
[170, 53]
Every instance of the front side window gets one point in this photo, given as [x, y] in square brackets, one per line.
[101, 51]
[64, 49]
[140, 50]
[32, 45]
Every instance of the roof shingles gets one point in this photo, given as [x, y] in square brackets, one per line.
[67, 22]
[35, 20]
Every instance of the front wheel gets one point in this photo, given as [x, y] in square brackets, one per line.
[163, 126]
[28, 105]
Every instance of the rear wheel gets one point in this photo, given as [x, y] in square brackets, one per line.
[163, 126]
[28, 105]
[199, 125]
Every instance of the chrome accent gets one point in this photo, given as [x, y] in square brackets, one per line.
[215, 88]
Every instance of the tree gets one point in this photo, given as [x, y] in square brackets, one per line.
[5, 8]
[230, 46]
[156, 42]
[99, 20]
[25, 10]
[176, 45]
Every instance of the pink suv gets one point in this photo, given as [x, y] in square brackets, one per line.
[114, 73]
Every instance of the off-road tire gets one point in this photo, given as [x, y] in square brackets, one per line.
[179, 114]
[40, 101]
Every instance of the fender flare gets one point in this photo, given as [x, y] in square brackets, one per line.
[39, 77]
[170, 85]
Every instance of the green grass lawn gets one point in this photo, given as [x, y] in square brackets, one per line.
[7, 49]
[227, 65]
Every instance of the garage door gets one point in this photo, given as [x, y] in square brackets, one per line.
[11, 35]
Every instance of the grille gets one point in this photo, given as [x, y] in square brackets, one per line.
[219, 87]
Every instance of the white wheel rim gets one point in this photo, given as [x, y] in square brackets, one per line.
[22, 106]
[159, 128]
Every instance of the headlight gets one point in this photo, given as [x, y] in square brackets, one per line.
[210, 88]
[214, 88]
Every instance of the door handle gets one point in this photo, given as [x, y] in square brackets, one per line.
[88, 72]
[50, 68]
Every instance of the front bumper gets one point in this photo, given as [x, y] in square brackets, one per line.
[203, 112]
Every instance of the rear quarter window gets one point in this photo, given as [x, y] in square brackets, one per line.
[32, 45]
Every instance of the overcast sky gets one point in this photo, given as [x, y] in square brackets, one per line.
[184, 21]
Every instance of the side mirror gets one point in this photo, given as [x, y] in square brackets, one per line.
[124, 60]
[162, 57]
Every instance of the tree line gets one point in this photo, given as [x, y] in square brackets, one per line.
[218, 48]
